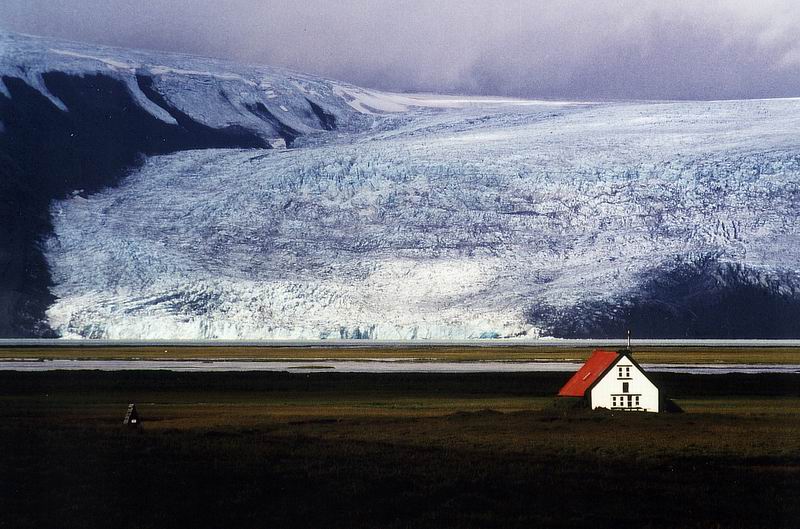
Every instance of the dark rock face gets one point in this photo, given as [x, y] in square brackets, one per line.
[46, 153]
[326, 120]
[286, 132]
[703, 298]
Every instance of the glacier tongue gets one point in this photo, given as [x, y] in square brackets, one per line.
[435, 224]
[76, 118]
[389, 216]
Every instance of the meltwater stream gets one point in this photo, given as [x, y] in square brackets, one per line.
[367, 366]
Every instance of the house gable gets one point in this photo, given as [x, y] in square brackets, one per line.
[624, 385]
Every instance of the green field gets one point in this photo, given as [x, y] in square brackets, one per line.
[393, 450]
[661, 354]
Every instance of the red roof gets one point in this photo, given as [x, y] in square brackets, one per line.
[595, 366]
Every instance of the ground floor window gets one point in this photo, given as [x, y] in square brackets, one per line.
[625, 401]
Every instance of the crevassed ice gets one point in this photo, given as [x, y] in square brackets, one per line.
[446, 224]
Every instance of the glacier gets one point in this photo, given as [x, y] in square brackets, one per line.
[416, 216]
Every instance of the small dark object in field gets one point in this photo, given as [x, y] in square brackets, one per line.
[132, 419]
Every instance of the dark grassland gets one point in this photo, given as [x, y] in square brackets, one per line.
[662, 354]
[423, 450]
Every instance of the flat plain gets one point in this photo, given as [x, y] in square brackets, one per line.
[511, 352]
[392, 450]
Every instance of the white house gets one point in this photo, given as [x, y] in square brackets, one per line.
[615, 381]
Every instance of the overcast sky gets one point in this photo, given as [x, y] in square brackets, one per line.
[665, 49]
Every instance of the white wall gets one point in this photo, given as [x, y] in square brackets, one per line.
[612, 385]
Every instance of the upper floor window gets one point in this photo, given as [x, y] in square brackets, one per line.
[624, 372]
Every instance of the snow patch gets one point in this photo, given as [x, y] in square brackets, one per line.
[35, 81]
[145, 103]
[277, 143]
[165, 70]
[372, 101]
[111, 63]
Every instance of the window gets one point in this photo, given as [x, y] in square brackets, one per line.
[625, 387]
[637, 400]
[613, 401]
[630, 401]
[624, 372]
[627, 371]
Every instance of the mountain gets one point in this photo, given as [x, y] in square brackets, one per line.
[148, 195]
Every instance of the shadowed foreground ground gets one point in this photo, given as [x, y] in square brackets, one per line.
[334, 450]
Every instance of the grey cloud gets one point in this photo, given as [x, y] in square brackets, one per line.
[565, 49]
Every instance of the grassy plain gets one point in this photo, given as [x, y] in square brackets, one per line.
[392, 450]
[647, 354]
